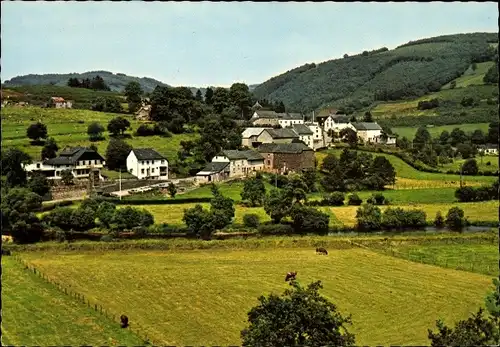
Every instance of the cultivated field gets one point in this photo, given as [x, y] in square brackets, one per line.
[185, 297]
[35, 313]
[409, 132]
[69, 128]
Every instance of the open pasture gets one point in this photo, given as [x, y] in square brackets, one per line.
[69, 128]
[185, 297]
[403, 170]
[36, 313]
[471, 76]
[409, 132]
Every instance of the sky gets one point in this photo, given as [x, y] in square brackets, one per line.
[215, 43]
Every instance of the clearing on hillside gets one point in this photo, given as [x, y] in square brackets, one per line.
[409, 132]
[185, 297]
[36, 313]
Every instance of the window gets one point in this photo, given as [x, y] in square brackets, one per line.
[152, 170]
[147, 162]
[142, 171]
[142, 162]
[37, 166]
[268, 162]
[163, 161]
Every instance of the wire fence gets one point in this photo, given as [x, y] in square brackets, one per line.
[97, 307]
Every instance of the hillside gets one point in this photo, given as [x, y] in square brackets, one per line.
[116, 82]
[408, 71]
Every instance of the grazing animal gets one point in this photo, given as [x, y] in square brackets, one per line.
[6, 252]
[321, 250]
[290, 276]
[124, 320]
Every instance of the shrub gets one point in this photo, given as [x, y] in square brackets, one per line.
[368, 218]
[83, 219]
[470, 167]
[439, 220]
[354, 200]
[251, 220]
[334, 199]
[397, 218]
[309, 220]
[377, 199]
[107, 238]
[455, 219]
[275, 229]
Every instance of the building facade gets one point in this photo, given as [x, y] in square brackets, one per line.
[368, 132]
[287, 157]
[81, 161]
[146, 163]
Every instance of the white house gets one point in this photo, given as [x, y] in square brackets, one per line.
[488, 149]
[58, 102]
[320, 136]
[336, 123]
[147, 163]
[368, 132]
[306, 135]
[389, 140]
[81, 161]
[289, 119]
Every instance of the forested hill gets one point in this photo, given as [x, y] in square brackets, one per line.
[408, 71]
[116, 82]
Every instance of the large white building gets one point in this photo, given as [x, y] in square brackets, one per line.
[337, 123]
[146, 163]
[368, 132]
[81, 161]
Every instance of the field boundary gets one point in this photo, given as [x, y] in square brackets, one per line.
[334, 242]
[80, 298]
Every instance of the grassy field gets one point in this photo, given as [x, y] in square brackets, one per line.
[36, 313]
[346, 215]
[69, 128]
[185, 297]
[481, 163]
[409, 132]
[480, 258]
[409, 107]
[472, 77]
[404, 170]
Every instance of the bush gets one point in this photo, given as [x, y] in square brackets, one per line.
[251, 220]
[397, 218]
[107, 238]
[309, 220]
[377, 199]
[455, 219]
[470, 167]
[334, 199]
[368, 218]
[354, 200]
[439, 220]
[275, 229]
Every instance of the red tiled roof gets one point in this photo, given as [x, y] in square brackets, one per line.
[57, 99]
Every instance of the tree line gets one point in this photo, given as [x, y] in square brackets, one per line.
[96, 83]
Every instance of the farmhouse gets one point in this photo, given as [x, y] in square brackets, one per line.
[58, 102]
[305, 134]
[241, 163]
[389, 140]
[249, 136]
[213, 172]
[488, 149]
[265, 118]
[81, 161]
[288, 119]
[286, 135]
[336, 123]
[368, 132]
[147, 163]
[284, 157]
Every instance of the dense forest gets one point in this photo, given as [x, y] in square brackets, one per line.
[409, 71]
[116, 82]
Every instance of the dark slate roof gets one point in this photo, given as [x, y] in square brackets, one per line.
[366, 126]
[293, 116]
[267, 114]
[282, 133]
[215, 167]
[297, 148]
[248, 154]
[147, 154]
[340, 118]
[302, 129]
[69, 156]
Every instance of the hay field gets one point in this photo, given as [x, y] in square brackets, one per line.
[202, 296]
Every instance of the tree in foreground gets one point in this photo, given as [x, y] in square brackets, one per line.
[116, 154]
[118, 126]
[49, 149]
[39, 184]
[300, 317]
[455, 219]
[13, 161]
[172, 190]
[95, 131]
[254, 191]
[67, 177]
